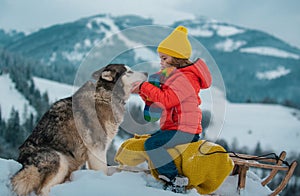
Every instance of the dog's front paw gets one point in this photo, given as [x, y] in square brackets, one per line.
[112, 169]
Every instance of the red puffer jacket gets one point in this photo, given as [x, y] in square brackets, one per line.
[178, 97]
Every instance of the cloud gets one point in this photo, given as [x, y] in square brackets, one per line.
[33, 14]
[277, 17]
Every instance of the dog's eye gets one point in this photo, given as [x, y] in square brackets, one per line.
[130, 72]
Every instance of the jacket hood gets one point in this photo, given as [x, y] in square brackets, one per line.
[200, 69]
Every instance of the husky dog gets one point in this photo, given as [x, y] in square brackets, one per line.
[75, 130]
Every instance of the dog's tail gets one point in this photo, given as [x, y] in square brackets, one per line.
[26, 180]
[40, 173]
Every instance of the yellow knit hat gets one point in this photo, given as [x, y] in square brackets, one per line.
[176, 44]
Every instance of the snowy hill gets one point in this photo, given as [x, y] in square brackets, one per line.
[55, 90]
[14, 99]
[275, 127]
[247, 123]
[92, 183]
[11, 98]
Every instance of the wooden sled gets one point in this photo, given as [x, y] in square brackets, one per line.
[120, 168]
[243, 162]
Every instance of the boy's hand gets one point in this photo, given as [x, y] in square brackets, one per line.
[135, 89]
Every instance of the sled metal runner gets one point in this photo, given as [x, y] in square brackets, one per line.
[243, 162]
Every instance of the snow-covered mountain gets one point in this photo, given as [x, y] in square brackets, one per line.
[255, 66]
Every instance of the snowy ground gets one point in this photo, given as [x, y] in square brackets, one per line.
[276, 127]
[94, 183]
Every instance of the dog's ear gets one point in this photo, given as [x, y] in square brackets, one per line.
[96, 75]
[107, 75]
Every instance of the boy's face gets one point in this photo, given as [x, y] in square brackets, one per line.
[165, 60]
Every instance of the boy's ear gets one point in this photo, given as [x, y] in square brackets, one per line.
[107, 75]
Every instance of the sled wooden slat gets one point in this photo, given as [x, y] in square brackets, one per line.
[261, 165]
[242, 176]
[242, 165]
[265, 159]
[119, 168]
[286, 179]
[274, 171]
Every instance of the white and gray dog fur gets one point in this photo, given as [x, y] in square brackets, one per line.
[75, 131]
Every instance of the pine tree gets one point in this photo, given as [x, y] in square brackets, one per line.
[2, 125]
[29, 125]
[45, 102]
[258, 149]
[13, 133]
[234, 145]
[206, 120]
[223, 143]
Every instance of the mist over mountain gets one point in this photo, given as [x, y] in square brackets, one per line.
[8, 37]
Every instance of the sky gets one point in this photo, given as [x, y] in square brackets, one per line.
[280, 18]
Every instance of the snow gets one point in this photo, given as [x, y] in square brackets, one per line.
[269, 51]
[104, 25]
[273, 74]
[253, 186]
[14, 99]
[229, 45]
[100, 21]
[275, 127]
[77, 46]
[89, 182]
[87, 43]
[73, 56]
[208, 29]
[202, 32]
[11, 98]
[52, 57]
[226, 31]
[54, 89]
[248, 123]
[141, 52]
[7, 169]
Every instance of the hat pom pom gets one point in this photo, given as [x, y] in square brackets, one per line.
[182, 29]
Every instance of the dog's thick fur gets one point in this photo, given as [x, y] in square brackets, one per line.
[74, 131]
